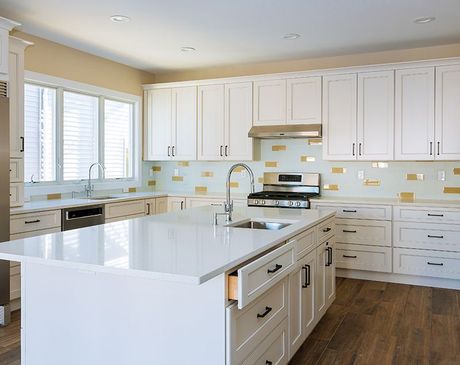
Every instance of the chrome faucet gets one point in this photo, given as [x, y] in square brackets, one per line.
[228, 206]
[90, 187]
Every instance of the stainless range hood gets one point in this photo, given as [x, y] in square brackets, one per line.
[286, 131]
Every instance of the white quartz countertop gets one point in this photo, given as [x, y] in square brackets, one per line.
[43, 205]
[182, 246]
[387, 201]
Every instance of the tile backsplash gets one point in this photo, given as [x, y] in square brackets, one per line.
[380, 179]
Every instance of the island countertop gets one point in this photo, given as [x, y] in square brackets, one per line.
[181, 246]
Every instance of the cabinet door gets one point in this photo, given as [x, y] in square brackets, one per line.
[320, 281]
[375, 115]
[339, 114]
[211, 122]
[159, 124]
[330, 272]
[238, 121]
[304, 100]
[270, 102]
[161, 205]
[414, 114]
[16, 94]
[4, 34]
[447, 130]
[176, 204]
[309, 318]
[184, 123]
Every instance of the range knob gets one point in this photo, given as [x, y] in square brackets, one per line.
[298, 204]
[277, 202]
[256, 202]
[291, 203]
[263, 202]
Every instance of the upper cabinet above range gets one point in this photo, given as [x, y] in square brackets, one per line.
[287, 101]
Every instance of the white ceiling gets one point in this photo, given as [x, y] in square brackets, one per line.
[226, 32]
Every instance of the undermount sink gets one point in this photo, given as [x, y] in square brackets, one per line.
[273, 226]
[102, 197]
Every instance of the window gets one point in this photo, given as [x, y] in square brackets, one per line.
[69, 128]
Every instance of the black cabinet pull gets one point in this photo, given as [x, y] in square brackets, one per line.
[327, 257]
[182, 205]
[439, 148]
[34, 221]
[350, 256]
[172, 150]
[306, 284]
[348, 231]
[22, 144]
[267, 310]
[148, 208]
[226, 150]
[169, 151]
[353, 149]
[435, 215]
[327, 229]
[360, 149]
[277, 267]
[268, 362]
[220, 151]
[432, 236]
[348, 211]
[435, 263]
[431, 148]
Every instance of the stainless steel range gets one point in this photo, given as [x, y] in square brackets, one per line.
[286, 190]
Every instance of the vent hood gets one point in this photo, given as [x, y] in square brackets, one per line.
[286, 131]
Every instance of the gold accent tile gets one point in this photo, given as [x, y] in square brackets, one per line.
[54, 196]
[457, 171]
[451, 190]
[371, 182]
[177, 178]
[238, 169]
[207, 174]
[132, 190]
[151, 182]
[333, 187]
[271, 163]
[304, 158]
[406, 196]
[234, 184]
[156, 168]
[279, 148]
[415, 177]
[315, 141]
[338, 170]
[260, 180]
[183, 163]
[201, 189]
[380, 165]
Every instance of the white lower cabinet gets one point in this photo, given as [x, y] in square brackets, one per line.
[124, 209]
[176, 203]
[363, 257]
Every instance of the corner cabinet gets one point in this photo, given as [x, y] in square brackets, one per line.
[224, 120]
[170, 124]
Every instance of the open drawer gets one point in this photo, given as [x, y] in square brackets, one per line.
[255, 278]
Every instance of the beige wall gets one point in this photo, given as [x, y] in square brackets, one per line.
[57, 60]
[405, 55]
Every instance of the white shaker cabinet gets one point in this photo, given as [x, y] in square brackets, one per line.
[183, 143]
[447, 126]
[159, 114]
[270, 102]
[304, 100]
[339, 117]
[414, 114]
[6, 25]
[375, 115]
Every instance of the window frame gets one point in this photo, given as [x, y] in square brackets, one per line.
[66, 186]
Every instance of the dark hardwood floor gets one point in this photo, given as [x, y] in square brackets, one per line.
[369, 323]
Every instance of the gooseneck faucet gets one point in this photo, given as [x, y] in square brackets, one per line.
[90, 187]
[228, 206]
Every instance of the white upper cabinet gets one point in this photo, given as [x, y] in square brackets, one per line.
[375, 115]
[339, 117]
[270, 102]
[238, 121]
[184, 123]
[6, 26]
[304, 100]
[211, 122]
[414, 116]
[447, 130]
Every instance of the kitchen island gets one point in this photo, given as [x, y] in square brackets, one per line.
[175, 289]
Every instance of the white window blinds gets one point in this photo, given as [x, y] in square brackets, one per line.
[80, 135]
[118, 139]
[39, 133]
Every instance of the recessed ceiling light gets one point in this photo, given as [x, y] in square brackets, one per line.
[424, 20]
[188, 49]
[291, 36]
[120, 18]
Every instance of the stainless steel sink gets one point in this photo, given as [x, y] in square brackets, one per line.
[273, 226]
[102, 197]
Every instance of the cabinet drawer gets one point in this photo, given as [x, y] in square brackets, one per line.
[426, 214]
[362, 257]
[16, 194]
[304, 242]
[17, 170]
[426, 263]
[363, 232]
[115, 210]
[248, 327]
[21, 223]
[356, 211]
[272, 350]
[15, 286]
[255, 278]
[427, 236]
[326, 229]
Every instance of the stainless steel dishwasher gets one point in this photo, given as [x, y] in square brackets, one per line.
[80, 217]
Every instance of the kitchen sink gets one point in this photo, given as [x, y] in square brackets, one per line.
[252, 224]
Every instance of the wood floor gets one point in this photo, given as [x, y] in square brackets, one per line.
[369, 323]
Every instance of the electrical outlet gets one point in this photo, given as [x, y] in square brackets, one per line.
[441, 175]
[361, 175]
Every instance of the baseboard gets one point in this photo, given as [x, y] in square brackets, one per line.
[399, 278]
